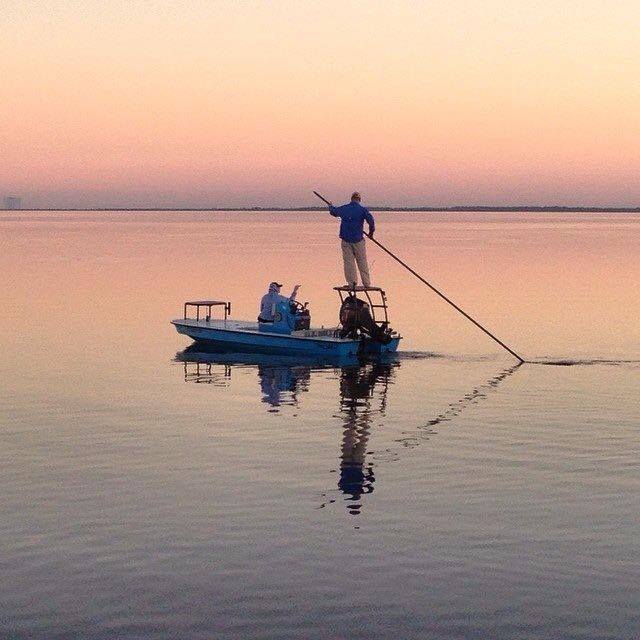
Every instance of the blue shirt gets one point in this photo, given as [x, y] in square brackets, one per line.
[352, 217]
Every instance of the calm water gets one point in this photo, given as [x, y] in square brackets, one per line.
[152, 491]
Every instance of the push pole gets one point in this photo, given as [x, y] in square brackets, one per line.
[445, 298]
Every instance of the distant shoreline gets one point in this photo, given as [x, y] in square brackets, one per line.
[472, 209]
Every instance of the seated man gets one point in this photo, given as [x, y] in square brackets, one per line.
[271, 299]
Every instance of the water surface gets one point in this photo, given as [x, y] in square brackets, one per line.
[150, 490]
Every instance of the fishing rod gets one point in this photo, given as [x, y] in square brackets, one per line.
[445, 298]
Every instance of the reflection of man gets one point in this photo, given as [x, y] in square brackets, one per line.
[356, 477]
[356, 389]
[271, 299]
[275, 381]
[352, 217]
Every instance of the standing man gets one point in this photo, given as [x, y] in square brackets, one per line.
[352, 217]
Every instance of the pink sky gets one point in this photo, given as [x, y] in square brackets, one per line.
[240, 103]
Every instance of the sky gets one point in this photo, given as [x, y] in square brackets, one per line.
[220, 103]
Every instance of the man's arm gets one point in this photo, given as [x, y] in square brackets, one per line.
[334, 211]
[294, 293]
[371, 222]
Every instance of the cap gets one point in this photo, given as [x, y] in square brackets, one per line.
[275, 284]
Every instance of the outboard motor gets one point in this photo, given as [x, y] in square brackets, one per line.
[357, 321]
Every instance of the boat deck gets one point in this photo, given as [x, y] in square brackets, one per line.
[245, 326]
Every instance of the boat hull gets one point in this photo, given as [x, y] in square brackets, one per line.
[231, 336]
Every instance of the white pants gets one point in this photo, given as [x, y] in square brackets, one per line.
[352, 253]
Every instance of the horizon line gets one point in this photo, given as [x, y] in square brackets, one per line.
[434, 209]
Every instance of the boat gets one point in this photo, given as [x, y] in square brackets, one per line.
[364, 328]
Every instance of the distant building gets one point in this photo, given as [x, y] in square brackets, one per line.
[12, 202]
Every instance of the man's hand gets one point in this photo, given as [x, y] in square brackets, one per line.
[297, 287]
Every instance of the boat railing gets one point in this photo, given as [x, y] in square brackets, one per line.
[208, 304]
[378, 306]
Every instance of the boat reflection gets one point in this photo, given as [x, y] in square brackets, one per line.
[282, 378]
[362, 397]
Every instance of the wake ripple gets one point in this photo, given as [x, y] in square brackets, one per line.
[552, 362]
[582, 362]
[425, 355]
